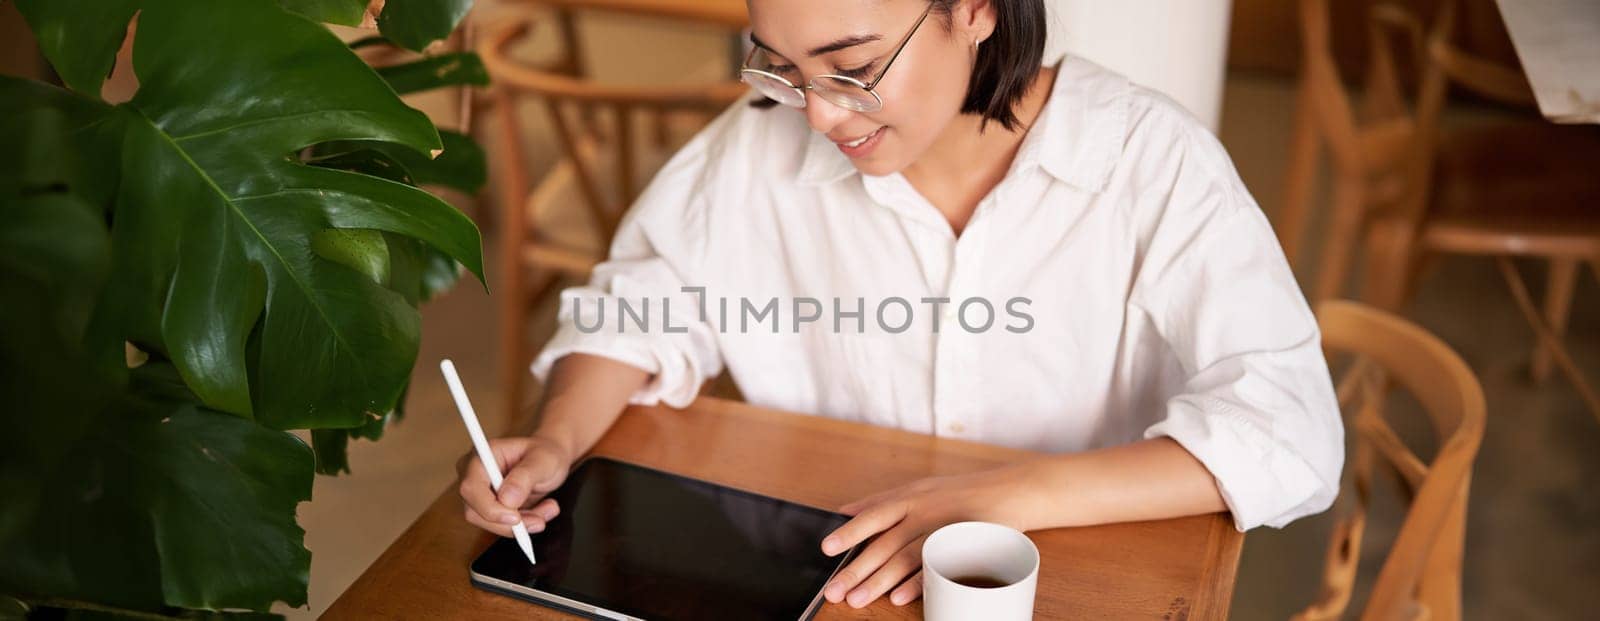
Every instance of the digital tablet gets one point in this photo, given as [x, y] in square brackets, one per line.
[636, 543]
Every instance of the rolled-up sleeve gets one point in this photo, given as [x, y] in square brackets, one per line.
[1257, 406]
[655, 251]
[679, 362]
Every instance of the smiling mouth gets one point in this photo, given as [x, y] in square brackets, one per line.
[859, 141]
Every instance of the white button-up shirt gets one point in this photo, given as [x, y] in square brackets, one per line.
[1119, 283]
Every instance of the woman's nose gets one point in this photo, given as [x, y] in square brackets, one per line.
[822, 114]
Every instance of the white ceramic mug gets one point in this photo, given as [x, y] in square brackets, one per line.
[967, 550]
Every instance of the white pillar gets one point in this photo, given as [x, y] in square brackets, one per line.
[1178, 47]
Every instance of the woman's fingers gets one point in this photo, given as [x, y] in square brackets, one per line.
[546, 510]
[529, 478]
[532, 521]
[494, 527]
[857, 506]
[534, 518]
[908, 591]
[873, 558]
[531, 469]
[480, 498]
[903, 563]
[873, 520]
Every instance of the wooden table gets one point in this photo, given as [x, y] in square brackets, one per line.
[1173, 569]
[1558, 42]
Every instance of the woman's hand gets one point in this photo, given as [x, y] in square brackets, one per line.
[537, 466]
[903, 518]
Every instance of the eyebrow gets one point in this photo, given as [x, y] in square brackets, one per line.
[843, 43]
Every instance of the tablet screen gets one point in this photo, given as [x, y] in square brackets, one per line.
[659, 546]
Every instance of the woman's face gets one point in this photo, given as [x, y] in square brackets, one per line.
[921, 93]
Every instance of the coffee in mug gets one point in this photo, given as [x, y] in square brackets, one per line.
[980, 581]
[978, 570]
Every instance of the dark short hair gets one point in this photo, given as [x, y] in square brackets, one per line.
[1008, 61]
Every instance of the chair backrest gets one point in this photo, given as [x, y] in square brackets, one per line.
[1436, 60]
[1338, 119]
[1383, 148]
[1377, 139]
[1479, 74]
[575, 104]
[1421, 576]
[531, 261]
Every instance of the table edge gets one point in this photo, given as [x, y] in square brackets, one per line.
[1214, 589]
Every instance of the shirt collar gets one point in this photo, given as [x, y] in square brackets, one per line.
[1077, 138]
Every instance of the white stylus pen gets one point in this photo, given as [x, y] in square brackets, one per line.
[485, 456]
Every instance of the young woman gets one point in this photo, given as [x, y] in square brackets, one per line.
[1040, 257]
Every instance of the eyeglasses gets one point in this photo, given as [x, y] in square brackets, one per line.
[839, 90]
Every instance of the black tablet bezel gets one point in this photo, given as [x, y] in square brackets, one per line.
[598, 608]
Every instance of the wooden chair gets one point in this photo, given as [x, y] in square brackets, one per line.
[1421, 576]
[729, 14]
[1373, 147]
[595, 125]
[1506, 190]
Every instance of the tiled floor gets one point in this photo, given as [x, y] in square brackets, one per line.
[1534, 533]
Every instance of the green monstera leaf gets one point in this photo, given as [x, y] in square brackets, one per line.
[216, 217]
[54, 258]
[342, 12]
[412, 269]
[163, 502]
[462, 166]
[80, 37]
[436, 71]
[121, 491]
[413, 24]
[268, 289]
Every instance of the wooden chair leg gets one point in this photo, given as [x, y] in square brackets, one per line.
[1390, 264]
[1340, 565]
[581, 152]
[513, 328]
[1440, 590]
[511, 163]
[624, 163]
[574, 63]
[1301, 178]
[547, 283]
[520, 420]
[1349, 204]
[1557, 303]
[1558, 352]
[483, 211]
